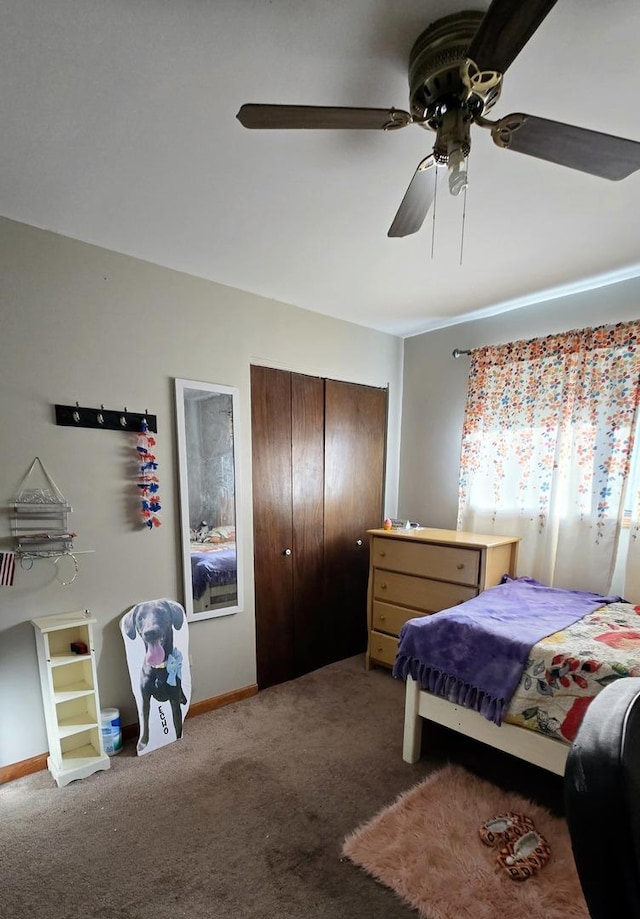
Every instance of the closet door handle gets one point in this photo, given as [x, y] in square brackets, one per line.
[358, 542]
[287, 552]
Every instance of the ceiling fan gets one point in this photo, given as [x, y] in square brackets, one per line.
[456, 67]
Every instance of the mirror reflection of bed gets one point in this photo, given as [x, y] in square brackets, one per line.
[209, 500]
[213, 567]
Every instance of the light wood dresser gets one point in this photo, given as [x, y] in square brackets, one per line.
[422, 571]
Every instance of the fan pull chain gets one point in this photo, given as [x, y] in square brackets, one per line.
[435, 201]
[464, 213]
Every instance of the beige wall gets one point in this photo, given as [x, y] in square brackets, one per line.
[84, 324]
[435, 387]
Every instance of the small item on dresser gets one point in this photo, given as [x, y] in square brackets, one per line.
[387, 524]
[78, 647]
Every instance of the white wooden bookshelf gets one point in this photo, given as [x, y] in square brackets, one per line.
[70, 696]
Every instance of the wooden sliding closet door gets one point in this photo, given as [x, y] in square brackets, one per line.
[318, 451]
[355, 426]
[272, 523]
[288, 456]
[307, 473]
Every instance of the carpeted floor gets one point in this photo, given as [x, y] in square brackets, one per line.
[244, 818]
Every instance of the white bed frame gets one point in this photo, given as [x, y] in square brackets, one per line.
[215, 596]
[535, 748]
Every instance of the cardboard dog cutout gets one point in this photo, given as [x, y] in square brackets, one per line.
[156, 640]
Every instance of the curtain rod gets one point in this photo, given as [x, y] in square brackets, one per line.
[457, 353]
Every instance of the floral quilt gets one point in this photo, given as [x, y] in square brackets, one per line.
[566, 670]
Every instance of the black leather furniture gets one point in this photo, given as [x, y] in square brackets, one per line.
[602, 799]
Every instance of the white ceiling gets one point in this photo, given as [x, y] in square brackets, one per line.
[118, 128]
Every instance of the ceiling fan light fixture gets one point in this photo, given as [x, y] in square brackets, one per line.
[457, 168]
[452, 146]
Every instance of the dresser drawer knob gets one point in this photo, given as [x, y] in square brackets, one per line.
[383, 587]
[382, 618]
[382, 554]
[460, 566]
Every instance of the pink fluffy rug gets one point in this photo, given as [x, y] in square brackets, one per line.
[427, 849]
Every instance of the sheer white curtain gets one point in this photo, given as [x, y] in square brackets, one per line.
[630, 561]
[546, 452]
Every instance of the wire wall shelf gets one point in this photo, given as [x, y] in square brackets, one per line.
[40, 518]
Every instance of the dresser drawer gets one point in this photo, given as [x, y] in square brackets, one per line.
[390, 619]
[382, 648]
[426, 595]
[449, 563]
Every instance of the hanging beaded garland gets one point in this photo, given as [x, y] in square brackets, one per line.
[148, 479]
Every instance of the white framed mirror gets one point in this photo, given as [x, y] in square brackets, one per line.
[209, 498]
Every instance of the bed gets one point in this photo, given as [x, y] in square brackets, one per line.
[213, 567]
[550, 681]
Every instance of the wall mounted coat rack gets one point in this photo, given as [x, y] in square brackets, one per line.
[110, 419]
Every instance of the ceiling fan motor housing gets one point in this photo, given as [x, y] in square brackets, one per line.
[436, 62]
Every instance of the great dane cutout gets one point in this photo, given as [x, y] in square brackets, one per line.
[156, 640]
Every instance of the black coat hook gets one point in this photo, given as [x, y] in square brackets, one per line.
[110, 420]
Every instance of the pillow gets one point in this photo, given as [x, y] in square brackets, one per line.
[221, 534]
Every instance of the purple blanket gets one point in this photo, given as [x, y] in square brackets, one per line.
[216, 568]
[474, 654]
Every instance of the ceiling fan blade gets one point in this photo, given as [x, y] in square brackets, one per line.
[319, 116]
[417, 200]
[599, 154]
[506, 28]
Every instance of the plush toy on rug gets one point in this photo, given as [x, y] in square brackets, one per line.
[156, 641]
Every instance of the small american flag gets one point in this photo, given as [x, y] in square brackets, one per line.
[7, 568]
